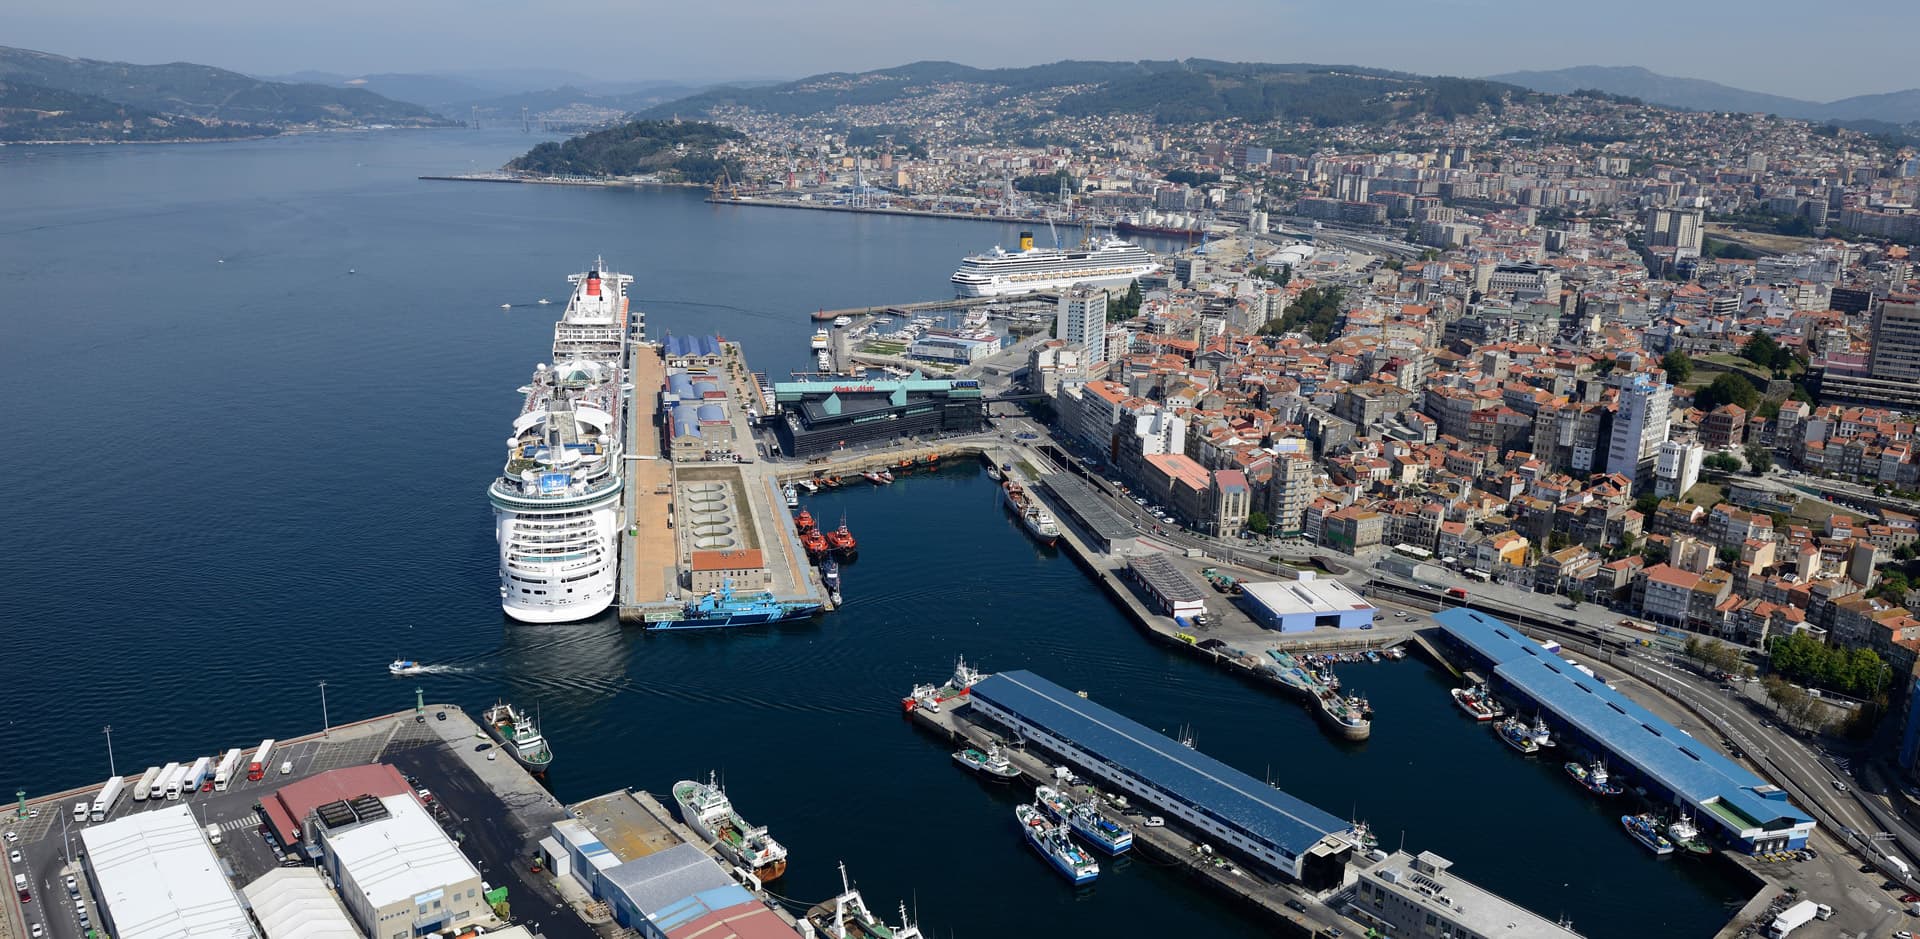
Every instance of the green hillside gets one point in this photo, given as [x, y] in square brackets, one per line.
[681, 149]
[30, 113]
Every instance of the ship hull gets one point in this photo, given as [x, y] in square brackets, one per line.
[527, 760]
[736, 620]
[972, 289]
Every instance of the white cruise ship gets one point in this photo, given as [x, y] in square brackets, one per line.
[556, 505]
[1110, 261]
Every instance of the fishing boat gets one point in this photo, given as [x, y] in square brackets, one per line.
[1035, 519]
[991, 764]
[1517, 734]
[830, 578]
[405, 667]
[1105, 833]
[1477, 702]
[1362, 836]
[1646, 830]
[519, 734]
[1594, 778]
[706, 809]
[846, 916]
[1684, 833]
[1053, 802]
[963, 679]
[1542, 734]
[1056, 846]
[840, 542]
[993, 473]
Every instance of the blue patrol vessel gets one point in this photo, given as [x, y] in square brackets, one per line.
[723, 608]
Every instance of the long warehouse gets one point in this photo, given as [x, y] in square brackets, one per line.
[1746, 811]
[1258, 821]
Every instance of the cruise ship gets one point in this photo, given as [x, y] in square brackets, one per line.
[1108, 262]
[556, 505]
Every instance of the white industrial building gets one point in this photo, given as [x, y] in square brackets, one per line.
[294, 903]
[1302, 604]
[1409, 895]
[400, 876]
[155, 877]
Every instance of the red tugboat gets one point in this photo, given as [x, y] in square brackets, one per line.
[842, 543]
[814, 542]
[803, 522]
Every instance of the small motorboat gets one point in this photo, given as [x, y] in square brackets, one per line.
[405, 667]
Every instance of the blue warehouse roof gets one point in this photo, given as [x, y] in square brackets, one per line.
[1204, 781]
[1656, 748]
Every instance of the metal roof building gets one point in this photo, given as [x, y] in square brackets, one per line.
[1723, 795]
[1305, 602]
[293, 903]
[682, 892]
[1172, 589]
[156, 877]
[403, 872]
[1251, 817]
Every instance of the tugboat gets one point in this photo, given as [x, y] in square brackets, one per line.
[519, 735]
[1477, 702]
[1106, 834]
[846, 917]
[991, 765]
[1646, 830]
[1594, 778]
[1518, 735]
[830, 578]
[706, 809]
[840, 542]
[1055, 846]
[815, 543]
[1683, 833]
[803, 522]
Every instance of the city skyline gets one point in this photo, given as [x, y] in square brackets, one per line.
[1460, 37]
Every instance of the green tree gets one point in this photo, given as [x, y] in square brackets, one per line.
[1258, 523]
[1679, 366]
[1648, 503]
[1728, 388]
[1759, 459]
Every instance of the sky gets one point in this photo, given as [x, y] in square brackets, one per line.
[1820, 52]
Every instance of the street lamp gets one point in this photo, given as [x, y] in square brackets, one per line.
[326, 726]
[111, 771]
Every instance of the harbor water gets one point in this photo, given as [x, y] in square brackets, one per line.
[259, 389]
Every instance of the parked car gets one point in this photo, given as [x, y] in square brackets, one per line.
[483, 747]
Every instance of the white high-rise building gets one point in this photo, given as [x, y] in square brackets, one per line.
[1676, 468]
[1639, 424]
[1081, 320]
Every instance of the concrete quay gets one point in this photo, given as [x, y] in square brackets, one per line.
[873, 210]
[1169, 845]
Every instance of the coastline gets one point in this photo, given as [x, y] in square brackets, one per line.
[289, 132]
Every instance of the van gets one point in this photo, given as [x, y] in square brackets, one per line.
[80, 810]
[213, 833]
[286, 767]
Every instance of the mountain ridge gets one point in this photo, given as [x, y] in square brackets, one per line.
[1698, 94]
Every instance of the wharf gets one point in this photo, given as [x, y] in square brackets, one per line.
[1169, 845]
[953, 303]
[674, 509]
[873, 210]
[1234, 642]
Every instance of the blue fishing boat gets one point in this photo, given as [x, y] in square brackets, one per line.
[1053, 802]
[1056, 846]
[1646, 830]
[723, 608]
[1105, 833]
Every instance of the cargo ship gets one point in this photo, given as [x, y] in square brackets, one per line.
[519, 735]
[1056, 846]
[723, 608]
[931, 697]
[846, 916]
[706, 809]
[1035, 519]
[1646, 830]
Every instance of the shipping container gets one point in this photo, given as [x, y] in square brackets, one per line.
[257, 766]
[160, 782]
[109, 794]
[144, 789]
[229, 765]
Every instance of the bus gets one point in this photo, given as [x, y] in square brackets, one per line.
[257, 767]
[1413, 551]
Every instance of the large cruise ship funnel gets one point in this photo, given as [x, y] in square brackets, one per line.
[593, 283]
[1026, 241]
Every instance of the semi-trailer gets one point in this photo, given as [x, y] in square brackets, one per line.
[144, 788]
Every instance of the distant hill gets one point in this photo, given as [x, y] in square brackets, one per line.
[684, 149]
[207, 93]
[31, 113]
[1194, 89]
[1694, 94]
[455, 95]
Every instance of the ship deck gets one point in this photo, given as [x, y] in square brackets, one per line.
[648, 542]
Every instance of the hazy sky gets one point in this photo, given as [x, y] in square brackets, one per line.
[1820, 51]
